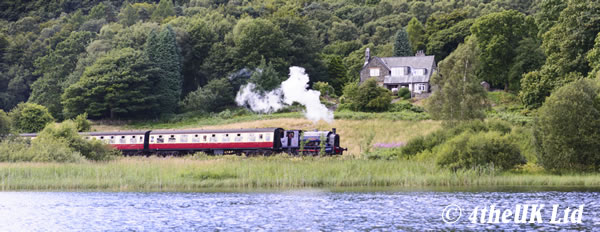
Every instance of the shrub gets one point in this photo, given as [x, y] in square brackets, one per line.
[479, 149]
[324, 88]
[212, 97]
[37, 150]
[566, 131]
[424, 143]
[4, 124]
[82, 123]
[399, 107]
[67, 132]
[367, 97]
[404, 93]
[30, 117]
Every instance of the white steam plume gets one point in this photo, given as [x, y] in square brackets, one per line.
[294, 89]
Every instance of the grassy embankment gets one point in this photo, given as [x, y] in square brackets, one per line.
[202, 173]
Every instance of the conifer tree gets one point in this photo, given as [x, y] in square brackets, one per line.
[402, 44]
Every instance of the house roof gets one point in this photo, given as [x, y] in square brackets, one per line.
[410, 61]
[406, 79]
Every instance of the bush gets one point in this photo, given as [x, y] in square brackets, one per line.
[213, 97]
[368, 97]
[324, 88]
[479, 149]
[30, 117]
[566, 131]
[37, 150]
[67, 132]
[4, 124]
[399, 107]
[404, 93]
[427, 143]
[82, 123]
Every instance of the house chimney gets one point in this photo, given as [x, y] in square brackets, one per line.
[420, 53]
[367, 56]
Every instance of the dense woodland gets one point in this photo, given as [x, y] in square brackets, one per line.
[113, 59]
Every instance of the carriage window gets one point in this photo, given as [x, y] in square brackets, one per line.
[268, 137]
[172, 139]
[251, 137]
[122, 140]
[195, 139]
[260, 136]
[204, 138]
[226, 138]
[160, 139]
[132, 139]
[238, 138]
[183, 138]
[151, 139]
[213, 138]
[112, 139]
[141, 139]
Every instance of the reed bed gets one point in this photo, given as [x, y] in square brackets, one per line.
[243, 173]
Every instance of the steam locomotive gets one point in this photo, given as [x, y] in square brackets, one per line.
[262, 141]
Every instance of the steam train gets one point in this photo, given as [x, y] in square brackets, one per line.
[262, 141]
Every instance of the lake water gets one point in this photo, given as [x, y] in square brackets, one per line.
[304, 210]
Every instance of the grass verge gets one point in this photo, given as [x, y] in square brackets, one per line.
[239, 173]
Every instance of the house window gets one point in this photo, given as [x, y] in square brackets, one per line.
[400, 71]
[374, 72]
[420, 71]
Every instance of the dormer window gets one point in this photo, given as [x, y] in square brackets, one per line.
[374, 72]
[400, 71]
[420, 71]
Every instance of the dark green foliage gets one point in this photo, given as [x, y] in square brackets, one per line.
[324, 88]
[402, 46]
[163, 52]
[416, 35]
[460, 97]
[368, 97]
[82, 123]
[567, 129]
[529, 57]
[120, 84]
[400, 107]
[497, 33]
[213, 97]
[344, 31]
[404, 93]
[30, 117]
[266, 78]
[479, 150]
[5, 124]
[259, 38]
[593, 57]
[445, 31]
[337, 74]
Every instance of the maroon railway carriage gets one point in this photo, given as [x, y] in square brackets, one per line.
[236, 141]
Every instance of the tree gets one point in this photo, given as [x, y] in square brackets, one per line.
[446, 31]
[402, 45]
[5, 124]
[30, 117]
[212, 97]
[164, 10]
[565, 45]
[128, 16]
[460, 96]
[497, 34]
[120, 84]
[163, 52]
[344, 30]
[593, 56]
[337, 73]
[566, 129]
[255, 39]
[266, 78]
[368, 97]
[416, 35]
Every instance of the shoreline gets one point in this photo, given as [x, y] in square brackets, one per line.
[276, 173]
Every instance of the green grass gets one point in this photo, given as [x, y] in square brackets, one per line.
[239, 173]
